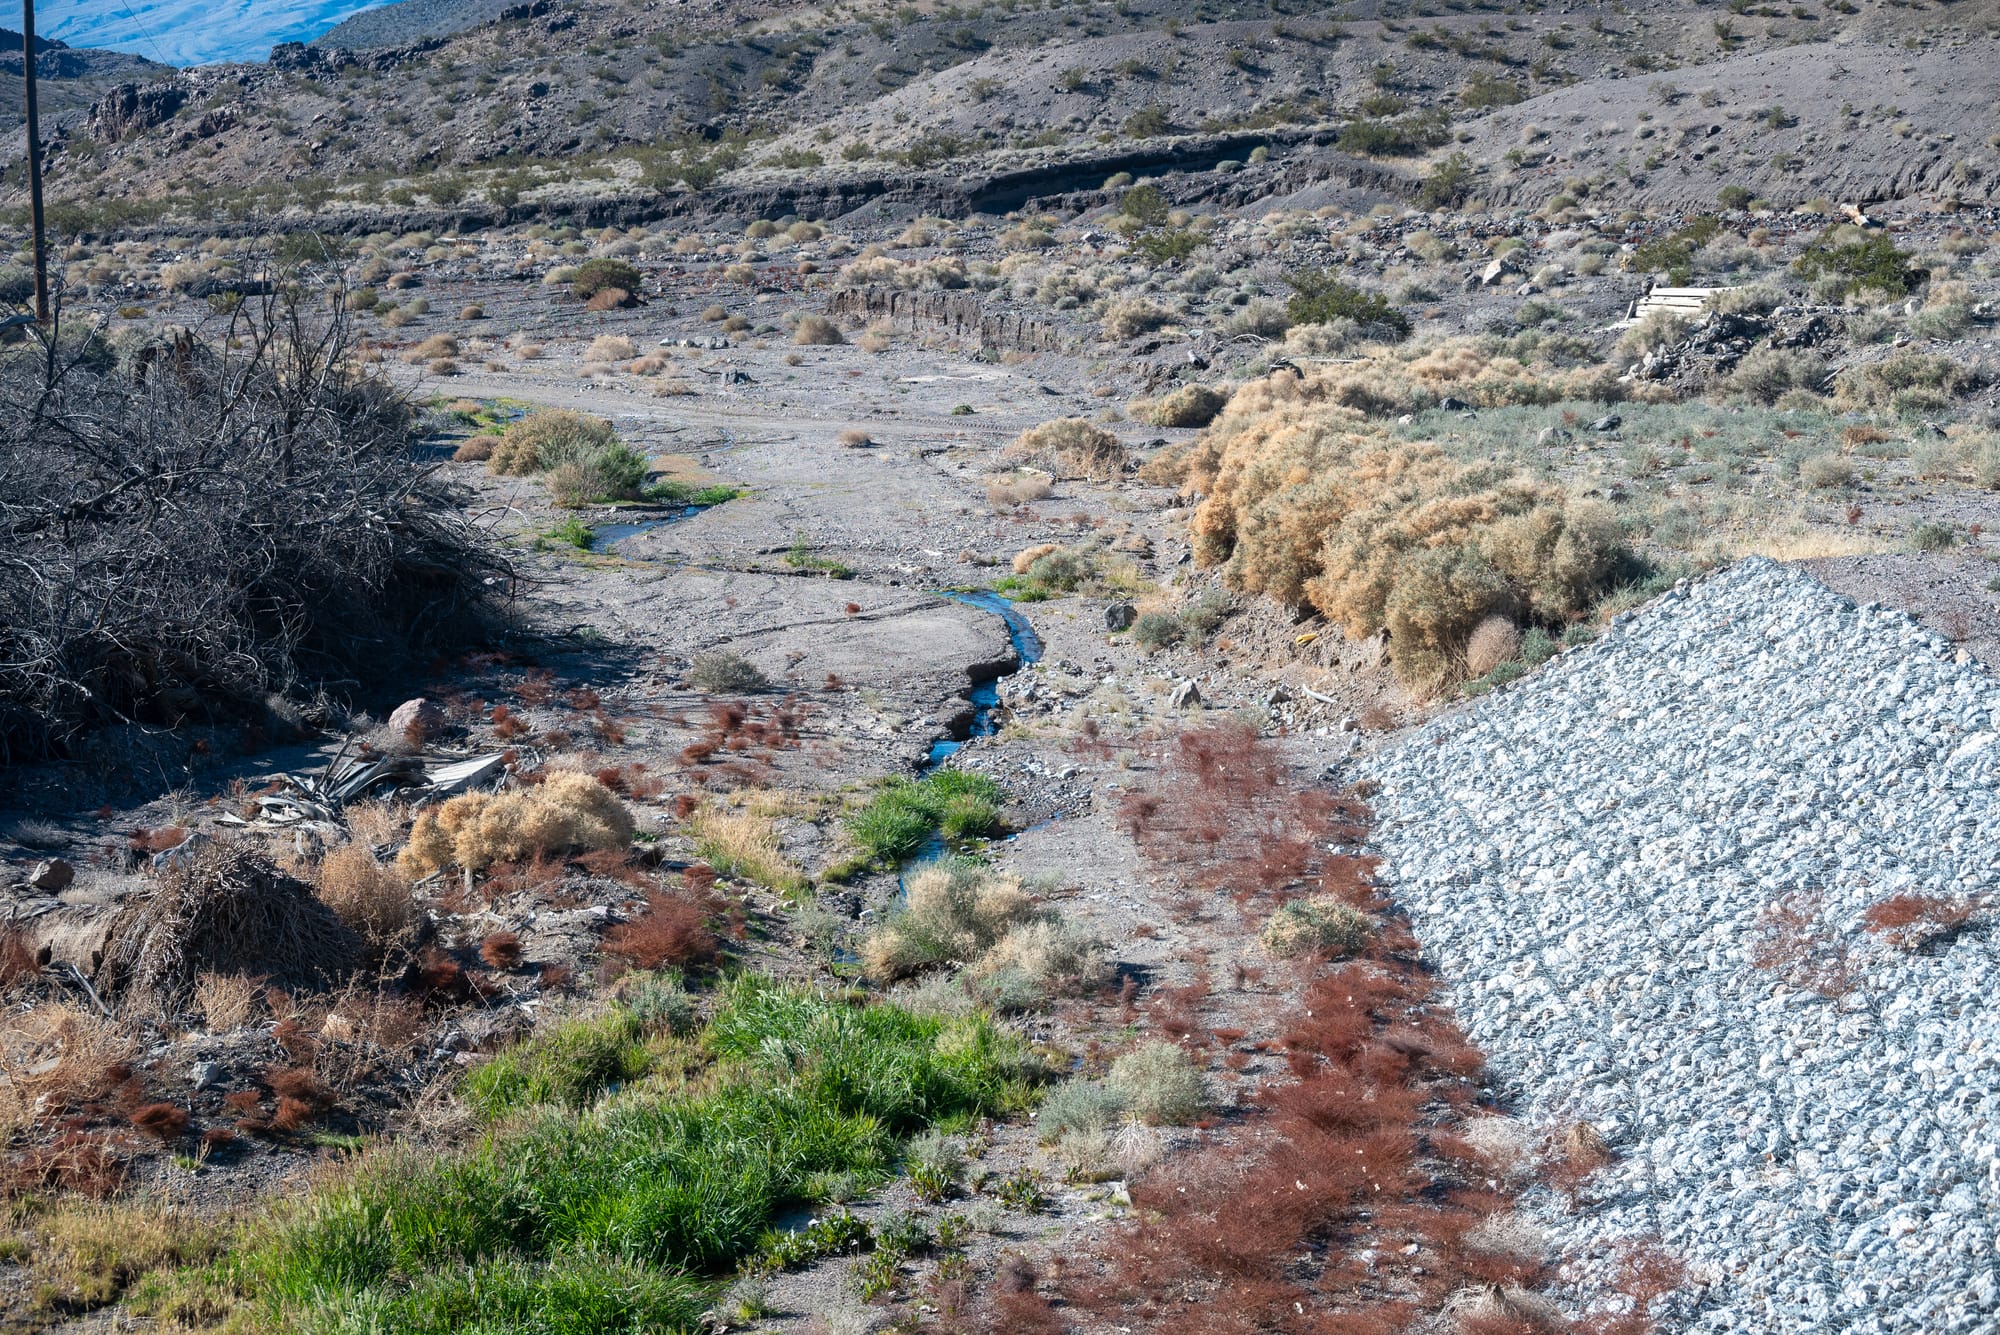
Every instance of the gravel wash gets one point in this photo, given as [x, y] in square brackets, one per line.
[1586, 855]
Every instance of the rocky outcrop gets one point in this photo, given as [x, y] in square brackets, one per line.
[130, 109]
[958, 315]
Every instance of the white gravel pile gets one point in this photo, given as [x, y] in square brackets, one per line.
[1587, 854]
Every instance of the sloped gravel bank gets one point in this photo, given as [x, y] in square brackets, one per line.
[1587, 855]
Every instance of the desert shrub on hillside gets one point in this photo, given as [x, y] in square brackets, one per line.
[720, 672]
[1069, 447]
[542, 439]
[568, 811]
[1319, 296]
[1850, 260]
[1766, 375]
[1159, 1083]
[1134, 316]
[1904, 382]
[1189, 405]
[1307, 502]
[599, 275]
[1318, 925]
[816, 330]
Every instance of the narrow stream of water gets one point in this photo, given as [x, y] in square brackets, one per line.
[985, 696]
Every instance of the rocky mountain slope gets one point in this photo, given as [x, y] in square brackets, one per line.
[1664, 105]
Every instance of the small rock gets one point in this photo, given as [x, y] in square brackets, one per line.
[1120, 616]
[1552, 435]
[183, 852]
[1185, 693]
[419, 720]
[1608, 422]
[205, 1075]
[51, 875]
[1453, 404]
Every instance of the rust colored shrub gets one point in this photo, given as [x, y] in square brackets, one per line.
[501, 950]
[17, 958]
[165, 1121]
[1912, 921]
[1794, 942]
[86, 1163]
[669, 931]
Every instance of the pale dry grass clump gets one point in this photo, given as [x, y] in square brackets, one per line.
[1046, 957]
[1494, 641]
[54, 1057]
[1069, 447]
[741, 842]
[566, 811]
[227, 1001]
[1018, 490]
[1134, 316]
[372, 899]
[609, 348]
[964, 915]
[953, 913]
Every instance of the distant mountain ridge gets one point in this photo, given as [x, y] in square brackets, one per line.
[403, 22]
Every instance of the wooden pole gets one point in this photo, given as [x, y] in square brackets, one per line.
[34, 162]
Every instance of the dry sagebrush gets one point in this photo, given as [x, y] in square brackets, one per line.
[568, 811]
[1308, 501]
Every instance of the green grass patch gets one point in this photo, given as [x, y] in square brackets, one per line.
[906, 812]
[620, 1218]
[800, 557]
[670, 492]
[570, 1065]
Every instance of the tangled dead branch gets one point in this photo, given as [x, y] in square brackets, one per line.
[192, 525]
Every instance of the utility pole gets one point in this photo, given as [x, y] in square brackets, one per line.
[34, 162]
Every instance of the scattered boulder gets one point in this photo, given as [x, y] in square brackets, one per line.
[419, 720]
[1120, 616]
[1185, 693]
[51, 875]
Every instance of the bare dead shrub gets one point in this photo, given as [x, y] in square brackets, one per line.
[215, 518]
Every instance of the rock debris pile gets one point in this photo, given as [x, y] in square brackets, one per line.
[1593, 858]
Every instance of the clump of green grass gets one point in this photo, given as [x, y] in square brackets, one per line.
[670, 492]
[569, 1065]
[904, 813]
[612, 1222]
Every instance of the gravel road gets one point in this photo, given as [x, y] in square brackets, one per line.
[1588, 853]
